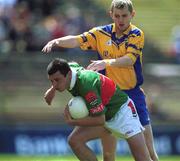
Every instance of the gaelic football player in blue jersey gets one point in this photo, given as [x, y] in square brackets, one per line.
[119, 46]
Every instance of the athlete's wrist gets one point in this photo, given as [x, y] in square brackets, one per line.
[56, 43]
[109, 62]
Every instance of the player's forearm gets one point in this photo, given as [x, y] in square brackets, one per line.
[124, 61]
[67, 42]
[89, 121]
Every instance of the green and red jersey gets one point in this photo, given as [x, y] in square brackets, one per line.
[101, 94]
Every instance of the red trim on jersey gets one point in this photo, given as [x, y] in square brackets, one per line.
[133, 108]
[108, 88]
[92, 99]
[90, 96]
[97, 109]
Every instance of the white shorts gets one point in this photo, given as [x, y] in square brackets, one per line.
[125, 123]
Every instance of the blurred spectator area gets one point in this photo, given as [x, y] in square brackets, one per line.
[26, 25]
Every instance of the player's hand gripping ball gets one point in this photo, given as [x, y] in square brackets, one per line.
[78, 108]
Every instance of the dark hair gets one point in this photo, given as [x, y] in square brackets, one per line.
[60, 65]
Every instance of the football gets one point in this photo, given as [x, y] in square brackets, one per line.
[78, 108]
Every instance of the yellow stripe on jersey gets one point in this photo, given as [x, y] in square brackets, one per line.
[104, 40]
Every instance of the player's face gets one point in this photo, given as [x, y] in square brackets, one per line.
[59, 81]
[121, 18]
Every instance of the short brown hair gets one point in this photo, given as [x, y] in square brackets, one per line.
[120, 4]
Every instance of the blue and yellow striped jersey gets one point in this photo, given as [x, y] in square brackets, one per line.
[103, 39]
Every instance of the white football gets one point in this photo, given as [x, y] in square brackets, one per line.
[78, 108]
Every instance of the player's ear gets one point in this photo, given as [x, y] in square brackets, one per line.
[111, 14]
[69, 74]
[133, 13]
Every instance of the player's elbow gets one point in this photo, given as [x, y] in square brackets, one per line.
[129, 61]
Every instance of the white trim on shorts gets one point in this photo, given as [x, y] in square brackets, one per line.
[125, 124]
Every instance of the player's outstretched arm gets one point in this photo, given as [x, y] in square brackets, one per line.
[65, 42]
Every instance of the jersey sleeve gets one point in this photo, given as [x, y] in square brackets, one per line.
[135, 45]
[94, 103]
[87, 40]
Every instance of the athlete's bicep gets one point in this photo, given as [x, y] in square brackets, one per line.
[135, 46]
[87, 40]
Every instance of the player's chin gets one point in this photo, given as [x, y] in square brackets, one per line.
[60, 90]
[121, 28]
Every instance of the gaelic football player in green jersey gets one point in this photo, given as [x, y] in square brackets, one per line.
[111, 111]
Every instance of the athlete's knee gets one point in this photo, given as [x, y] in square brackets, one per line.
[73, 140]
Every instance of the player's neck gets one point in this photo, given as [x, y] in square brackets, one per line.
[119, 33]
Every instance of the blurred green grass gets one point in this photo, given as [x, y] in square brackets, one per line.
[71, 158]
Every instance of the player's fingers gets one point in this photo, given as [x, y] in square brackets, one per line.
[48, 102]
[93, 62]
[93, 69]
[65, 114]
[65, 111]
[96, 70]
[90, 66]
[50, 47]
[45, 50]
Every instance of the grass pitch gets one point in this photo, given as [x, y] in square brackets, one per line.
[72, 158]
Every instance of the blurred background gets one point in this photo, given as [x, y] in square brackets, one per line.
[27, 125]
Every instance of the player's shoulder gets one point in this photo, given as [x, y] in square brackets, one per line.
[88, 75]
[104, 28]
[136, 31]
[73, 64]
[89, 72]
[88, 80]
[76, 66]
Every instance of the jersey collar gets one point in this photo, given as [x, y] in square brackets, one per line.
[73, 78]
[125, 32]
